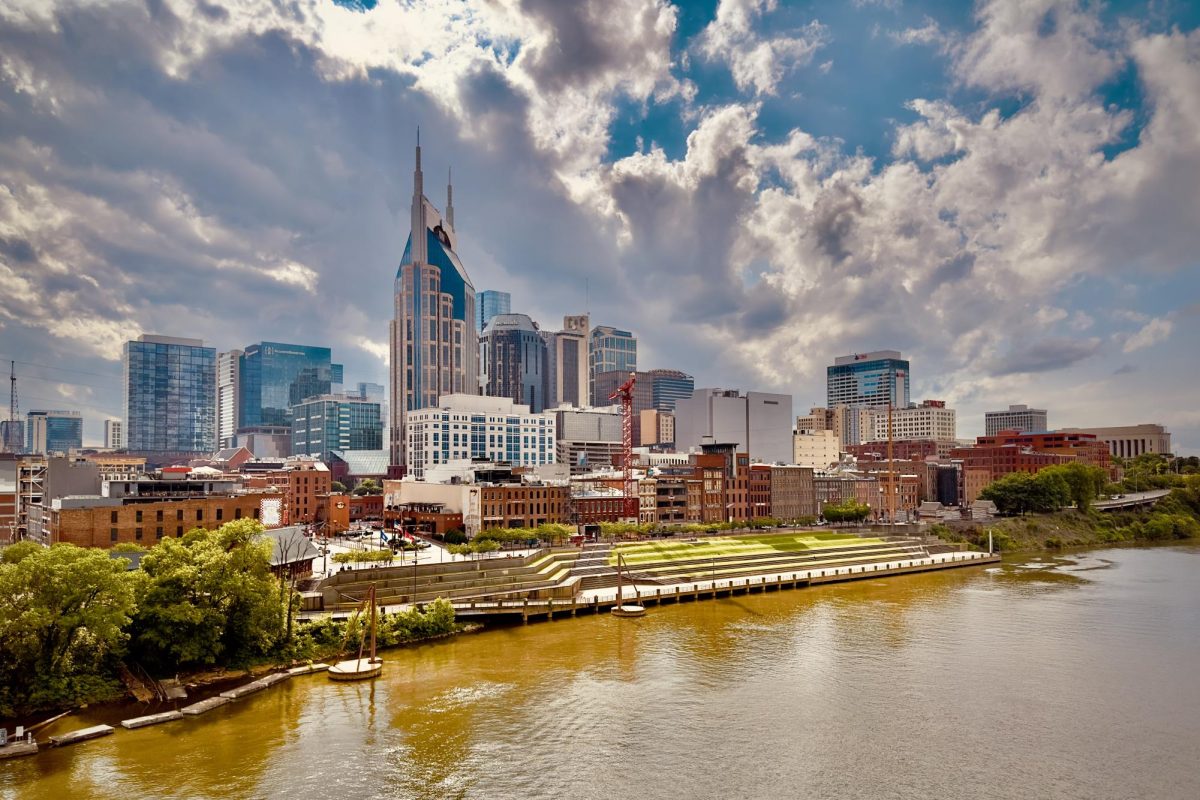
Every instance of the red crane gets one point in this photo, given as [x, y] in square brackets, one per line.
[624, 393]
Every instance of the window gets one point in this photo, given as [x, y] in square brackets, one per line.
[199, 515]
[158, 532]
[256, 513]
[220, 513]
[179, 531]
[113, 517]
[160, 516]
[112, 534]
[137, 534]
[179, 515]
[237, 513]
[139, 516]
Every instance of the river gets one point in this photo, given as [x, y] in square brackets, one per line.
[1073, 679]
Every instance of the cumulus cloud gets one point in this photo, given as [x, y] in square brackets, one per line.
[757, 62]
[1153, 332]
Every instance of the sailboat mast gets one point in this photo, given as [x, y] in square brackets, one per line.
[620, 578]
[373, 608]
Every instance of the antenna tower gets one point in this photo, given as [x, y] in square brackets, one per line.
[10, 443]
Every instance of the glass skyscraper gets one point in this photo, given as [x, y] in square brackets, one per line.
[274, 376]
[873, 380]
[491, 304]
[53, 431]
[434, 339]
[335, 422]
[513, 357]
[667, 386]
[170, 388]
[609, 349]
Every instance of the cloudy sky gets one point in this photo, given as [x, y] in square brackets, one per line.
[1008, 192]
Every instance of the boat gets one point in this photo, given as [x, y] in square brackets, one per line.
[623, 609]
[359, 669]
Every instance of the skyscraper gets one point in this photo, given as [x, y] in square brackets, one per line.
[229, 396]
[53, 431]
[874, 380]
[170, 388]
[335, 422]
[433, 338]
[491, 304]
[114, 434]
[567, 363]
[513, 357]
[276, 376]
[609, 349]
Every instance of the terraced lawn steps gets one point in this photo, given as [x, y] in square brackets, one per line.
[718, 546]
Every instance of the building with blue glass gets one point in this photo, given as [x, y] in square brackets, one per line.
[513, 359]
[491, 304]
[321, 425]
[873, 380]
[434, 341]
[170, 393]
[609, 350]
[53, 431]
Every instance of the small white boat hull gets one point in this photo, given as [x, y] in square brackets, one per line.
[357, 669]
[629, 610]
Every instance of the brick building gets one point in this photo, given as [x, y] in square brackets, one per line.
[104, 521]
[793, 494]
[522, 505]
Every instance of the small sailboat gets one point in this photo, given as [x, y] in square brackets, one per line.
[360, 668]
[623, 609]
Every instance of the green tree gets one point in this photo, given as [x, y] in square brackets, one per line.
[208, 598]
[337, 487]
[1023, 492]
[62, 623]
[16, 552]
[1084, 483]
[367, 486]
[848, 510]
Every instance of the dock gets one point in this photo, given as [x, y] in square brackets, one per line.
[255, 686]
[204, 706]
[81, 735]
[151, 719]
[16, 749]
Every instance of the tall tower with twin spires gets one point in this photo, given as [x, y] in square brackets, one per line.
[434, 344]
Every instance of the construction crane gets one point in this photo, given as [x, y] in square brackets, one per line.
[624, 393]
[12, 431]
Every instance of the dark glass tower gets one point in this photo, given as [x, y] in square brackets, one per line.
[514, 360]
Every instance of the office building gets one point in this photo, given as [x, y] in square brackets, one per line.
[53, 432]
[587, 438]
[1017, 418]
[609, 350]
[930, 420]
[433, 337]
[492, 304]
[170, 388]
[274, 376]
[1130, 441]
[567, 363]
[513, 359]
[12, 435]
[326, 423]
[656, 428]
[467, 426]
[114, 434]
[873, 380]
[667, 387]
[658, 389]
[758, 423]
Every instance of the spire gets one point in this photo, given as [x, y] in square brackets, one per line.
[450, 196]
[419, 245]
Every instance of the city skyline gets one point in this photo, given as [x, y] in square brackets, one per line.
[738, 216]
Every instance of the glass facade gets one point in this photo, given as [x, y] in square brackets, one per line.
[492, 304]
[667, 386]
[170, 390]
[870, 379]
[514, 360]
[321, 425]
[53, 431]
[274, 376]
[610, 349]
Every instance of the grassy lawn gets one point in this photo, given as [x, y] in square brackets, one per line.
[719, 547]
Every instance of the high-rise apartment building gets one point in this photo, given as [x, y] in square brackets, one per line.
[491, 304]
[609, 350]
[513, 358]
[114, 434]
[874, 380]
[53, 431]
[170, 389]
[466, 426]
[326, 423]
[567, 363]
[1017, 418]
[433, 336]
[229, 396]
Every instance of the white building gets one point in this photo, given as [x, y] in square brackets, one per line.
[1130, 441]
[817, 449]
[1017, 418]
[930, 420]
[759, 423]
[465, 426]
[228, 397]
[114, 434]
